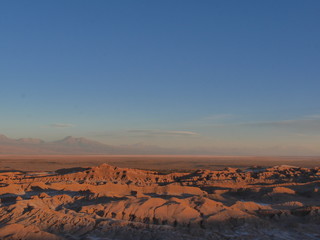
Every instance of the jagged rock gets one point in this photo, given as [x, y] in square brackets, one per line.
[121, 203]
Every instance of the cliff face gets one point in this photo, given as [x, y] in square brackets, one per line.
[107, 202]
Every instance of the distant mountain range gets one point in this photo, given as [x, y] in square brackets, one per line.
[73, 145]
[82, 146]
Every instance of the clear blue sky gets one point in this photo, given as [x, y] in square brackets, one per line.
[202, 74]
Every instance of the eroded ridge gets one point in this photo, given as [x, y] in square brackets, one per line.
[108, 202]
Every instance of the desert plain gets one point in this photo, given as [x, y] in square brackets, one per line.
[164, 163]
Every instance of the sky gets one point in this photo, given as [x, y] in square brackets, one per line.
[205, 75]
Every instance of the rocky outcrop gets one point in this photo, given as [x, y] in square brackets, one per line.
[109, 202]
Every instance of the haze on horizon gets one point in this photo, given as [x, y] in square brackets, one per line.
[182, 74]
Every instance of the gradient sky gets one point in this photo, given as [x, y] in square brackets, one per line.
[181, 74]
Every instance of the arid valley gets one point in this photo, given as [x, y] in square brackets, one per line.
[179, 197]
[159, 120]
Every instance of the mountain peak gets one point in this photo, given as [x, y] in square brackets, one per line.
[30, 140]
[4, 138]
[76, 140]
[67, 138]
[69, 145]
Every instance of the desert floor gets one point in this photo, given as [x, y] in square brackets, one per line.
[166, 163]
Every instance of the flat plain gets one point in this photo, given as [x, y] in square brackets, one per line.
[149, 162]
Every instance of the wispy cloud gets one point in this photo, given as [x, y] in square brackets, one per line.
[216, 117]
[227, 120]
[61, 125]
[306, 121]
[315, 116]
[268, 123]
[311, 135]
[211, 120]
[145, 133]
[152, 132]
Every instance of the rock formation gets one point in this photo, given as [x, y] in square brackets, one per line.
[108, 202]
